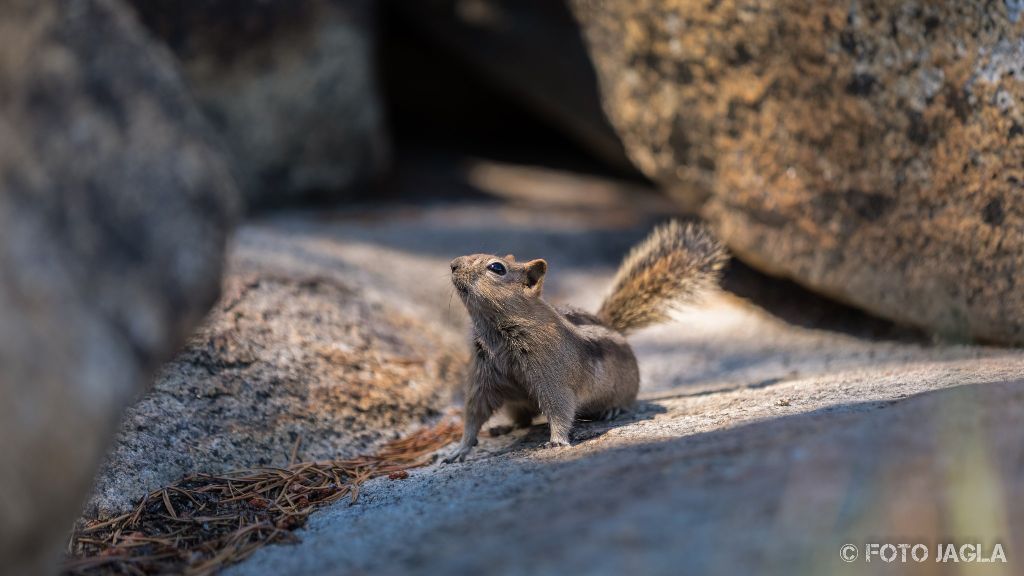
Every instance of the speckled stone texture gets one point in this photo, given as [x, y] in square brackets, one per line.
[299, 355]
[871, 150]
[114, 207]
[764, 439]
[289, 85]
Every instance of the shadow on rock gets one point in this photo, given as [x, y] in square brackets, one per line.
[778, 496]
[584, 430]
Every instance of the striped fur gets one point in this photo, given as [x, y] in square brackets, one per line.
[674, 266]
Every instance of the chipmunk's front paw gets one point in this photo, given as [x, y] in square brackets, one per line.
[555, 444]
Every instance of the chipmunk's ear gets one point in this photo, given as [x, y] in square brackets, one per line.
[510, 258]
[535, 270]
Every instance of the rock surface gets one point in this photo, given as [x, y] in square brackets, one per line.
[304, 357]
[872, 151]
[113, 216]
[290, 86]
[338, 330]
[761, 446]
[765, 489]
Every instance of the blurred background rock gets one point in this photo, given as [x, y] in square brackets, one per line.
[864, 161]
[290, 86]
[115, 206]
[871, 151]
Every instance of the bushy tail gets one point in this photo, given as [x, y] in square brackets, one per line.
[672, 267]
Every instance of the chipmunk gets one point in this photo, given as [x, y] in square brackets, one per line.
[531, 357]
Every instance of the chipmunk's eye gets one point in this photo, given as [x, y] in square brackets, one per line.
[497, 267]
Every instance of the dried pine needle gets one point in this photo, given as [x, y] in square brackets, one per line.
[203, 523]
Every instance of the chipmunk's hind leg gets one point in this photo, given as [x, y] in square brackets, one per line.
[605, 414]
[522, 416]
[611, 414]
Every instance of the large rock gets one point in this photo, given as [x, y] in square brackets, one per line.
[873, 151]
[301, 357]
[290, 86]
[822, 437]
[113, 213]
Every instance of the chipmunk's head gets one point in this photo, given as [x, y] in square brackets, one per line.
[487, 282]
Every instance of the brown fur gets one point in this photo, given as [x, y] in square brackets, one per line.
[532, 358]
[673, 266]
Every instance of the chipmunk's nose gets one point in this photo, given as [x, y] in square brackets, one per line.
[456, 263]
